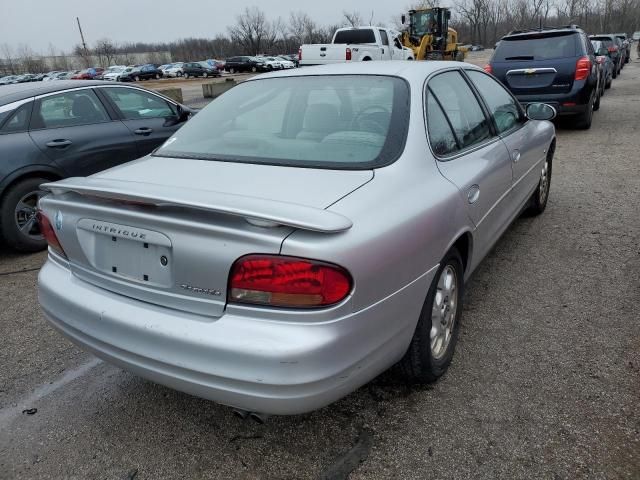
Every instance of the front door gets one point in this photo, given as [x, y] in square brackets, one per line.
[149, 117]
[470, 155]
[74, 130]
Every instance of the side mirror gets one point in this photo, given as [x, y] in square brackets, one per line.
[603, 52]
[403, 18]
[540, 111]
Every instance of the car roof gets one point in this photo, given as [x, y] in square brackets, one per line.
[407, 70]
[20, 91]
[545, 31]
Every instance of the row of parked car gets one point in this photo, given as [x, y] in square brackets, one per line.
[560, 66]
[134, 73]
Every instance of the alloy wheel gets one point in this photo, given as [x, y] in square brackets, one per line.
[443, 312]
[26, 215]
[543, 189]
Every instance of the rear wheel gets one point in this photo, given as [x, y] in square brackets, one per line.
[136, 78]
[596, 105]
[232, 70]
[18, 224]
[583, 121]
[431, 348]
[538, 201]
[254, 69]
[205, 75]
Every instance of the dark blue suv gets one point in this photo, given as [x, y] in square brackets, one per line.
[555, 65]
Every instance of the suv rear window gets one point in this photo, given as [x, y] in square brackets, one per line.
[364, 35]
[606, 41]
[538, 47]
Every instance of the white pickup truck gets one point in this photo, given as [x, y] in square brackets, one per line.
[357, 44]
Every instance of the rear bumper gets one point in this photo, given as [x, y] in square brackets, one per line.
[254, 364]
[574, 102]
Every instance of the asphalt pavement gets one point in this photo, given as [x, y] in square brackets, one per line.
[545, 382]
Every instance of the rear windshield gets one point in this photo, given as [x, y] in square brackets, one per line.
[606, 41]
[346, 121]
[364, 35]
[537, 48]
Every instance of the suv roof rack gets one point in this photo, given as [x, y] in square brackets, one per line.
[544, 28]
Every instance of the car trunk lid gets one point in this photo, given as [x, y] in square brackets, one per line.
[167, 231]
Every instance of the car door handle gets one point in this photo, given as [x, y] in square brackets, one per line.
[473, 193]
[515, 156]
[143, 131]
[59, 143]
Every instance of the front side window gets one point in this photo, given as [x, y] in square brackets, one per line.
[135, 104]
[384, 37]
[346, 121]
[80, 107]
[504, 110]
[461, 108]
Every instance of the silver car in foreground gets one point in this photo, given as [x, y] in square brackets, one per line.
[303, 233]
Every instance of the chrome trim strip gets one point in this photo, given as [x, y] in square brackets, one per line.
[532, 70]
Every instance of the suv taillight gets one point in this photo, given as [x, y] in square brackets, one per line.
[281, 281]
[300, 54]
[583, 67]
[613, 49]
[347, 54]
[49, 234]
[488, 68]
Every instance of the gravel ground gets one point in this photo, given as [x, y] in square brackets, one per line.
[545, 382]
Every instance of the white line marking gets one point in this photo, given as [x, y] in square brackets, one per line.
[7, 414]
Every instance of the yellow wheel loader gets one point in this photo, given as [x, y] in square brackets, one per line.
[430, 37]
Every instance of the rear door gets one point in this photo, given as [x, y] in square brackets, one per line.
[149, 117]
[75, 130]
[544, 62]
[470, 155]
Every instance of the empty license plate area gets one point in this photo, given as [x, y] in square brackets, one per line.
[127, 252]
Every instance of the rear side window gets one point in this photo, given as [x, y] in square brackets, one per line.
[355, 35]
[384, 37]
[16, 120]
[532, 47]
[69, 109]
[441, 137]
[461, 108]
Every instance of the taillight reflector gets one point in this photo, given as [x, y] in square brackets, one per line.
[49, 234]
[282, 281]
[347, 54]
[488, 68]
[583, 67]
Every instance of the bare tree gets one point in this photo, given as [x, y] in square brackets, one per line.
[83, 55]
[253, 31]
[8, 60]
[353, 19]
[106, 51]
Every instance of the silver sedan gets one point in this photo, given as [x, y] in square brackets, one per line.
[303, 233]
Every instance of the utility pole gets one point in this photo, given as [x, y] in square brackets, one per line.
[84, 45]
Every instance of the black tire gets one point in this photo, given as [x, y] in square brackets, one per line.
[583, 121]
[607, 85]
[179, 74]
[539, 198]
[615, 73]
[9, 231]
[232, 70]
[596, 104]
[419, 365]
[254, 69]
[205, 75]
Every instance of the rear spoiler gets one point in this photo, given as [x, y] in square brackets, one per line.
[272, 212]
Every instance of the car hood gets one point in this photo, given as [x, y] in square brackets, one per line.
[312, 187]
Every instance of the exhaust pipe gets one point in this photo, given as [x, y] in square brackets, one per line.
[241, 414]
[260, 418]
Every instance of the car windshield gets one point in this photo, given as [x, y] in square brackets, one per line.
[531, 47]
[345, 121]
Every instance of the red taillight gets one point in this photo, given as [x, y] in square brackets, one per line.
[281, 281]
[49, 234]
[300, 54]
[347, 54]
[488, 68]
[613, 49]
[583, 67]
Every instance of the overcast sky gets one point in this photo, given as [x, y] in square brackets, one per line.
[40, 22]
